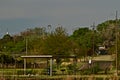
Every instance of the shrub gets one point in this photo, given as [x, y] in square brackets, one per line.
[21, 72]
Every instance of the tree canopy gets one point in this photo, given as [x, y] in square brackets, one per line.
[57, 42]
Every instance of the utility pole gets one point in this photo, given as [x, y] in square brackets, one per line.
[26, 47]
[26, 44]
[93, 41]
[93, 47]
[116, 46]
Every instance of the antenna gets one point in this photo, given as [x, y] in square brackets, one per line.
[7, 31]
[116, 15]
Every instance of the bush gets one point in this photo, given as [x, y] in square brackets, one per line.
[71, 69]
[86, 72]
[21, 72]
[93, 70]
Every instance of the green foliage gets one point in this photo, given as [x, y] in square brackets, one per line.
[104, 35]
[19, 47]
[28, 72]
[7, 38]
[107, 34]
[84, 38]
[56, 43]
[80, 32]
[93, 70]
[107, 24]
[71, 68]
[6, 59]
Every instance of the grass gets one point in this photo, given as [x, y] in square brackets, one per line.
[62, 77]
[15, 71]
[11, 74]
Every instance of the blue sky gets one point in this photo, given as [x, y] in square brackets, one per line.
[18, 15]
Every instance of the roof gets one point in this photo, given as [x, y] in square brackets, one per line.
[101, 64]
[37, 56]
[47, 56]
[104, 58]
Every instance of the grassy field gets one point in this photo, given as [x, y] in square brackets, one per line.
[12, 74]
[61, 77]
[42, 74]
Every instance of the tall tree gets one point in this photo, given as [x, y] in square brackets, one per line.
[84, 38]
[57, 43]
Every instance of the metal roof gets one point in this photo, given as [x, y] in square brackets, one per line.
[47, 56]
[37, 56]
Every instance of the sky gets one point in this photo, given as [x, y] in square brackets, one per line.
[18, 15]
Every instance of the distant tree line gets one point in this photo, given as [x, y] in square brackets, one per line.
[41, 41]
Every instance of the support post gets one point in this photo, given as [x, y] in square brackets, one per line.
[24, 66]
[50, 66]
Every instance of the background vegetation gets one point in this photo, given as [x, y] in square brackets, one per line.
[41, 40]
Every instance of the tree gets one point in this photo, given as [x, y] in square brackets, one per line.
[57, 43]
[6, 43]
[7, 38]
[6, 59]
[83, 37]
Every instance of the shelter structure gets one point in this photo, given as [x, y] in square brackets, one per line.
[47, 57]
